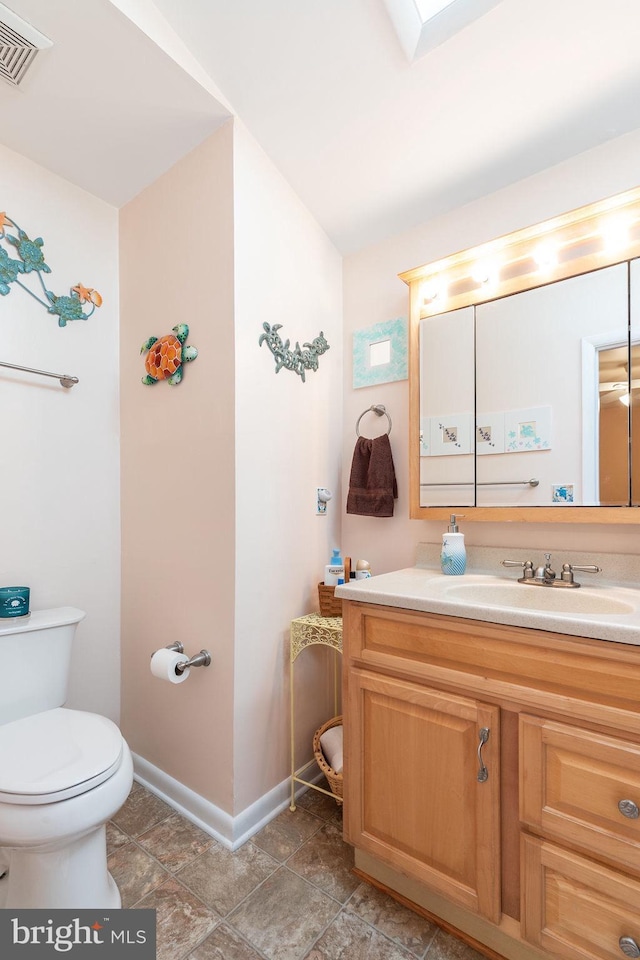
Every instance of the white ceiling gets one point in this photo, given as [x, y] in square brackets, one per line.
[372, 143]
[103, 107]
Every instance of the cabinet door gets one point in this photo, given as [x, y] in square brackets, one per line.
[413, 796]
[575, 908]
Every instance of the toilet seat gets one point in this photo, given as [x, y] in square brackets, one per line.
[56, 754]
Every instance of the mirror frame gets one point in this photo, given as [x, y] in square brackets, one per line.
[577, 242]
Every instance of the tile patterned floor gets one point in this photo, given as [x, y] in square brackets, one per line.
[286, 894]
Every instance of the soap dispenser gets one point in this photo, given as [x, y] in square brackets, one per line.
[453, 557]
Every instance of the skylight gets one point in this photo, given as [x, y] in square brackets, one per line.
[422, 25]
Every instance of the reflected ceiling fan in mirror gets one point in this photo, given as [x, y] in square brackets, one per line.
[613, 367]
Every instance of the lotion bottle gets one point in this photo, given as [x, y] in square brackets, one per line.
[334, 571]
[453, 557]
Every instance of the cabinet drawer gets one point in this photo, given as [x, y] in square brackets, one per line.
[575, 785]
[575, 908]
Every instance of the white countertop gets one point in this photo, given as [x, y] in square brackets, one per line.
[601, 611]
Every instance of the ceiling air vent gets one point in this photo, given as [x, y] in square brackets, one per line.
[19, 44]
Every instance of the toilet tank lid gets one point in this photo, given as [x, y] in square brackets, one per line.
[53, 751]
[42, 620]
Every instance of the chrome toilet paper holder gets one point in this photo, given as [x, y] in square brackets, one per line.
[202, 659]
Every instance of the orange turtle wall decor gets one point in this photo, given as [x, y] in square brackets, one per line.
[166, 356]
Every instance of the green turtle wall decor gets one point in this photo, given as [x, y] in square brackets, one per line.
[32, 261]
[166, 356]
[298, 360]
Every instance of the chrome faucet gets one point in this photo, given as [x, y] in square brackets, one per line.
[545, 576]
[545, 573]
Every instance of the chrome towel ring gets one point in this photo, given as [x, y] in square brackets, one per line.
[380, 410]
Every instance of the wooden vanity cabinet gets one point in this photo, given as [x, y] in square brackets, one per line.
[547, 847]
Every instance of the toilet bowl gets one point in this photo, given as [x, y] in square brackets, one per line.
[64, 773]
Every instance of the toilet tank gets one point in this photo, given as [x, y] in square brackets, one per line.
[35, 653]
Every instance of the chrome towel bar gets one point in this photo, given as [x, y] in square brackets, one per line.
[485, 483]
[64, 378]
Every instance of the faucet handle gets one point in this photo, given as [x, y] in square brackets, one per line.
[527, 564]
[568, 568]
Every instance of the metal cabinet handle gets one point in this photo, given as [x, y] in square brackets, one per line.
[483, 773]
[629, 947]
[629, 809]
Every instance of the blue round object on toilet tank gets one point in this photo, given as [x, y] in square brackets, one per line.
[14, 602]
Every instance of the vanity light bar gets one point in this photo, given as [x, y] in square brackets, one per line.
[597, 235]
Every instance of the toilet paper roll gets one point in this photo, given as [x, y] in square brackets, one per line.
[163, 665]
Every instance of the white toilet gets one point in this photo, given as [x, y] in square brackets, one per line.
[63, 773]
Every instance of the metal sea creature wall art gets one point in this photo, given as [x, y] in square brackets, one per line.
[297, 360]
[31, 261]
[167, 355]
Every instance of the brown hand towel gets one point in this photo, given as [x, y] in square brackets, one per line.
[372, 485]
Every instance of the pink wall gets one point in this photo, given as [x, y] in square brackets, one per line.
[221, 544]
[288, 442]
[373, 292]
[178, 474]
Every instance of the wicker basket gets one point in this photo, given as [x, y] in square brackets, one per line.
[330, 605]
[333, 779]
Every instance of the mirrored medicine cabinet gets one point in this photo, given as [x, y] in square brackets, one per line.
[525, 373]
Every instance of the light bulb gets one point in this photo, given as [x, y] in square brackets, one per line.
[485, 273]
[546, 255]
[433, 289]
[615, 233]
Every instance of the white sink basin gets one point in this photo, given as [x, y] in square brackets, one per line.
[570, 600]
[598, 610]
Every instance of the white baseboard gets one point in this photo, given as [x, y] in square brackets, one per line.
[232, 832]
